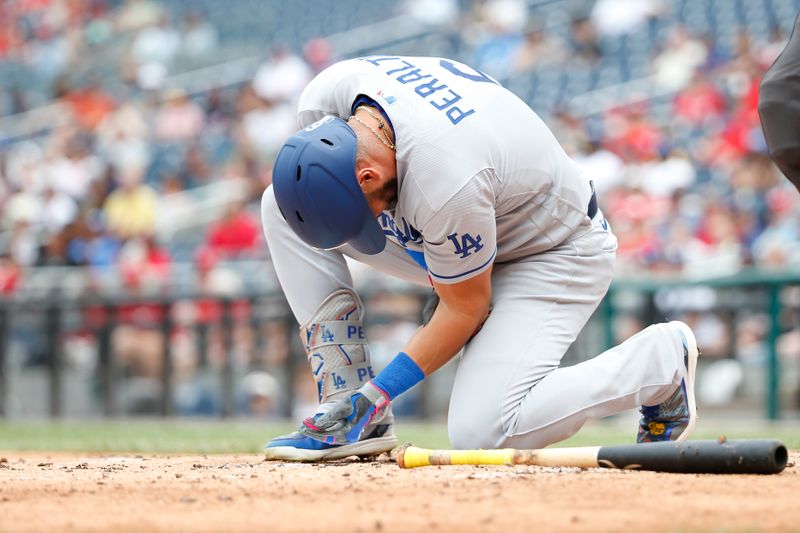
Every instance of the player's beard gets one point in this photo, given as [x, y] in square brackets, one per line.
[387, 194]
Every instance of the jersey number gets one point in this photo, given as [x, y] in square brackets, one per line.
[477, 76]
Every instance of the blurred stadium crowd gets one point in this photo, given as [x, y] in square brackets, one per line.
[114, 157]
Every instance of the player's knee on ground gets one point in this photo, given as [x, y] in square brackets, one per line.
[469, 429]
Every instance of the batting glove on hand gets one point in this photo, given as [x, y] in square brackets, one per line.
[344, 423]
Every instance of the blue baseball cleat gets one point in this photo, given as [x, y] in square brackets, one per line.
[298, 446]
[674, 418]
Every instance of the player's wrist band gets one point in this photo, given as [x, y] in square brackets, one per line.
[400, 374]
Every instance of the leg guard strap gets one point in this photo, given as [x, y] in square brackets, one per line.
[344, 379]
[333, 332]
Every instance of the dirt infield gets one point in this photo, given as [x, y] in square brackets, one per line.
[84, 492]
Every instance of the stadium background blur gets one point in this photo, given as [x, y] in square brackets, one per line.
[136, 138]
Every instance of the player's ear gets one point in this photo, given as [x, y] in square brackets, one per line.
[367, 178]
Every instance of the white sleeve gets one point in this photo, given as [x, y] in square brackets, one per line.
[333, 91]
[329, 93]
[460, 239]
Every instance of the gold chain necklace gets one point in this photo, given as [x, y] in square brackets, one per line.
[385, 138]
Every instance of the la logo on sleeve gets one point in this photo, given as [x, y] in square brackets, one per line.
[466, 244]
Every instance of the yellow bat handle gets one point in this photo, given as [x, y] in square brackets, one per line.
[413, 457]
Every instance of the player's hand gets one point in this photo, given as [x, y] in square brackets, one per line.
[430, 307]
[344, 423]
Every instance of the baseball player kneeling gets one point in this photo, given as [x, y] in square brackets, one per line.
[429, 170]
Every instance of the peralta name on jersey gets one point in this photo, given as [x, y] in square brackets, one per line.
[437, 93]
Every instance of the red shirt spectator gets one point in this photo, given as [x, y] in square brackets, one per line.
[738, 137]
[235, 234]
[90, 105]
[143, 262]
[10, 276]
[637, 139]
[699, 101]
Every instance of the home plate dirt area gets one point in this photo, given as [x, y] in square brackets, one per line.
[41, 491]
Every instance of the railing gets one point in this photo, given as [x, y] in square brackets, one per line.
[762, 290]
[101, 316]
[58, 306]
[261, 312]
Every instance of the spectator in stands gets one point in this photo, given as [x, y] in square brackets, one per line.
[675, 65]
[10, 35]
[617, 17]
[584, 41]
[720, 252]
[123, 138]
[676, 244]
[777, 245]
[90, 103]
[88, 243]
[156, 43]
[265, 124]
[143, 263]
[10, 275]
[179, 118]
[604, 167]
[318, 53]
[73, 167]
[699, 104]
[261, 394]
[635, 216]
[740, 136]
[137, 14]
[503, 23]
[236, 235]
[199, 36]
[439, 13]
[569, 129]
[51, 52]
[56, 211]
[196, 170]
[24, 244]
[12, 100]
[23, 205]
[24, 166]
[282, 77]
[636, 137]
[638, 244]
[666, 175]
[130, 211]
[539, 48]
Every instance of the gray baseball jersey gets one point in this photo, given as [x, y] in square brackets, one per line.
[481, 177]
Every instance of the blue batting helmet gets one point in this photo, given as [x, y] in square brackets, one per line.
[314, 180]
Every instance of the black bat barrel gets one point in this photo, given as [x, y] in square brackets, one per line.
[699, 457]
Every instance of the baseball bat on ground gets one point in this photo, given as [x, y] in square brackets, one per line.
[697, 457]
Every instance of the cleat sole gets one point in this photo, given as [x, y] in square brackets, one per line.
[365, 448]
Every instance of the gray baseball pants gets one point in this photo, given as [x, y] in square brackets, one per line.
[509, 390]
